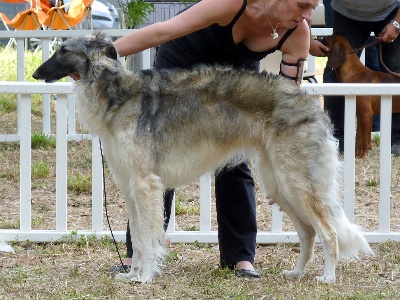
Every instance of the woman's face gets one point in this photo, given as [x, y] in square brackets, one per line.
[293, 12]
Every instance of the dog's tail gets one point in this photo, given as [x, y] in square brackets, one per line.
[350, 238]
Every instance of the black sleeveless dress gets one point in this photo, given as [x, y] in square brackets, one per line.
[212, 45]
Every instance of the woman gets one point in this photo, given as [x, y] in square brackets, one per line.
[238, 33]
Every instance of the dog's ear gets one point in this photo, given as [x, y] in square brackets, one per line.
[100, 43]
[337, 55]
[111, 52]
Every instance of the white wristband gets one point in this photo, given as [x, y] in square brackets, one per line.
[396, 24]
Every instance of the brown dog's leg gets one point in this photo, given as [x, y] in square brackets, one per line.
[364, 126]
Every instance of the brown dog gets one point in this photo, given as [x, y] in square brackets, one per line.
[349, 69]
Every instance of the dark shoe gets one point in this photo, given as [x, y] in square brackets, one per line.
[119, 269]
[247, 273]
[396, 149]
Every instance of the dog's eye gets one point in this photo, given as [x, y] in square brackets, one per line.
[63, 50]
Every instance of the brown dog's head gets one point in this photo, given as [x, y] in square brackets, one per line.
[339, 47]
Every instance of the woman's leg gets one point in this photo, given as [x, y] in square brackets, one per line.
[236, 215]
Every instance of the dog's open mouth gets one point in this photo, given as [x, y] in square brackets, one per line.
[75, 76]
[48, 79]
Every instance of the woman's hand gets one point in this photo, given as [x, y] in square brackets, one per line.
[318, 49]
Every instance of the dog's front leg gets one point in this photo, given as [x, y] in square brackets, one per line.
[144, 206]
[364, 126]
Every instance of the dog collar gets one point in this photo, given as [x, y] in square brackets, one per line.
[396, 24]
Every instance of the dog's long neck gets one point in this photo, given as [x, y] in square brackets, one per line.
[352, 70]
[105, 89]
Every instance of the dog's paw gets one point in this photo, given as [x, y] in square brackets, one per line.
[122, 276]
[292, 274]
[134, 277]
[127, 277]
[326, 279]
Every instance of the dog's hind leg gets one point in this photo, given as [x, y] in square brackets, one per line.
[310, 218]
[306, 236]
[305, 172]
[144, 207]
[305, 232]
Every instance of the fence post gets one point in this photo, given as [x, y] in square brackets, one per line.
[61, 163]
[25, 162]
[46, 97]
[97, 186]
[20, 73]
[385, 164]
[205, 202]
[349, 156]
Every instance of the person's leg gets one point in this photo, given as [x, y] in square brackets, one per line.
[357, 33]
[396, 134]
[329, 13]
[372, 55]
[236, 216]
[391, 59]
[334, 106]
[372, 62]
[168, 198]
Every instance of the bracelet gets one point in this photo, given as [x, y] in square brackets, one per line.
[396, 24]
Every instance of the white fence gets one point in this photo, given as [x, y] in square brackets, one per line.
[205, 234]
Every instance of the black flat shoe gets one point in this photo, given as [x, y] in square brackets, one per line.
[120, 269]
[247, 273]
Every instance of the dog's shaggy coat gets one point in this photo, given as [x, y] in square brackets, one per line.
[161, 129]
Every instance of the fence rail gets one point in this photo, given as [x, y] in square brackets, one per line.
[25, 90]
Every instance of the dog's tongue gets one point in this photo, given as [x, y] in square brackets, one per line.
[75, 76]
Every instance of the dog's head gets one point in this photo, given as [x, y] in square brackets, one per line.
[77, 56]
[339, 47]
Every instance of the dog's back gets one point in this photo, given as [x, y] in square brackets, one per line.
[201, 108]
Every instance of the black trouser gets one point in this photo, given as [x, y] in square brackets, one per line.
[358, 33]
[236, 215]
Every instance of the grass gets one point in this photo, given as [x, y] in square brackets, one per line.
[79, 183]
[7, 105]
[77, 269]
[76, 266]
[42, 141]
[40, 170]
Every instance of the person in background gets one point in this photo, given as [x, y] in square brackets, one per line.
[238, 33]
[355, 20]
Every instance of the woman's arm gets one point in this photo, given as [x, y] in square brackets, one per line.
[294, 51]
[200, 15]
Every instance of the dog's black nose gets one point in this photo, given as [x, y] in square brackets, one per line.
[35, 75]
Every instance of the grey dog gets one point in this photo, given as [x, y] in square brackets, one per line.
[161, 129]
